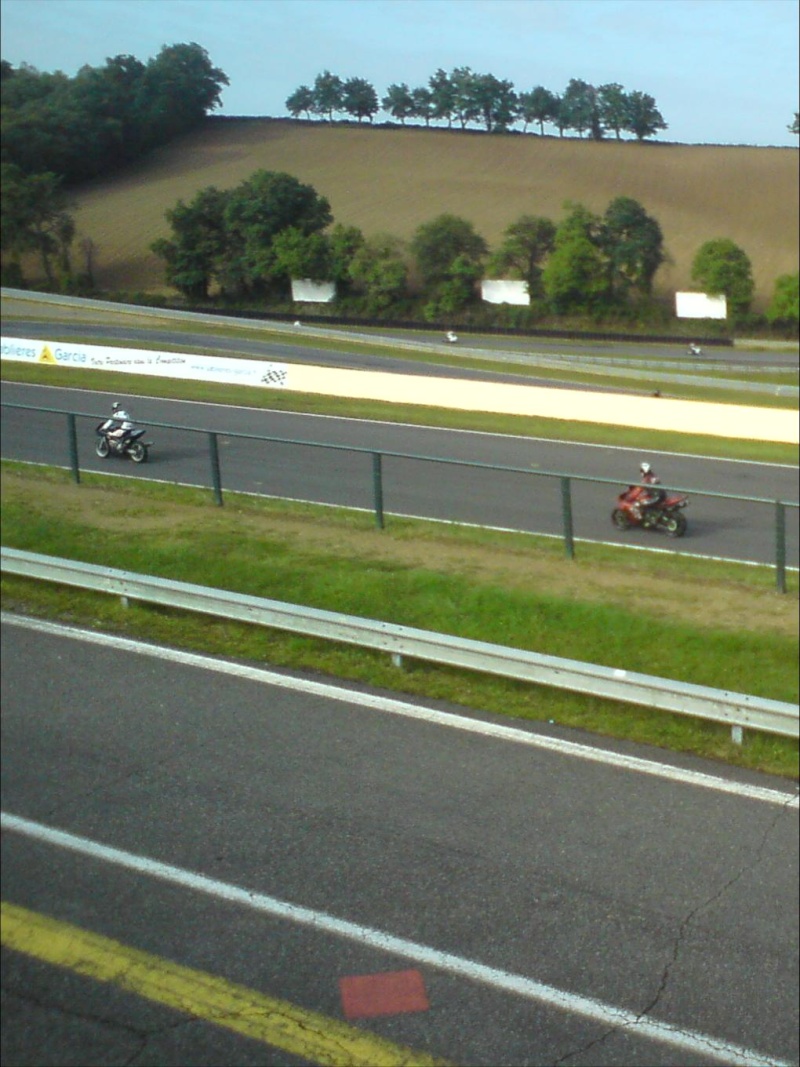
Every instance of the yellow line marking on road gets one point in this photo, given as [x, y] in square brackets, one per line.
[312, 1036]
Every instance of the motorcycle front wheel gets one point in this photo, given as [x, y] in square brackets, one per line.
[675, 525]
[620, 519]
[137, 452]
[101, 448]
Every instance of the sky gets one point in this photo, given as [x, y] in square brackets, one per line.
[720, 71]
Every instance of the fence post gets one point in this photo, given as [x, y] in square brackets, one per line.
[780, 546]
[566, 510]
[216, 480]
[377, 488]
[73, 448]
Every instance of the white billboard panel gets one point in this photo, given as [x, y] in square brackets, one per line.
[306, 291]
[500, 291]
[700, 306]
[140, 361]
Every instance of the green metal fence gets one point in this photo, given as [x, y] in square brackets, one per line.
[377, 457]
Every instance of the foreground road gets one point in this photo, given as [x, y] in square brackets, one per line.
[308, 843]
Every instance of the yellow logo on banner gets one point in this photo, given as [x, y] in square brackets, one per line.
[46, 356]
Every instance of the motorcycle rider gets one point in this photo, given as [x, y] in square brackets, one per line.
[119, 425]
[644, 497]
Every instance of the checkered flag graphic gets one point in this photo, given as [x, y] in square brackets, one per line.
[275, 376]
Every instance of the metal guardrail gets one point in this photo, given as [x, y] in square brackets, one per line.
[735, 709]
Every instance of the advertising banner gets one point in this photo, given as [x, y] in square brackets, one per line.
[141, 361]
[305, 291]
[500, 291]
[700, 306]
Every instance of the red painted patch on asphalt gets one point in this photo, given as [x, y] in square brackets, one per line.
[390, 993]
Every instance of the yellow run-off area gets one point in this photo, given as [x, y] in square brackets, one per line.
[736, 421]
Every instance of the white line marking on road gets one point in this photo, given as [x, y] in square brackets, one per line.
[440, 429]
[606, 1014]
[393, 706]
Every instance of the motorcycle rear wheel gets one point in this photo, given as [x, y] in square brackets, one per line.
[101, 448]
[138, 452]
[620, 519]
[675, 525]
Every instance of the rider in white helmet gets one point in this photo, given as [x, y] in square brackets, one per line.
[647, 498]
[120, 420]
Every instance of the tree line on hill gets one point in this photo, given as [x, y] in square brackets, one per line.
[465, 97]
[56, 131]
[105, 116]
[246, 244]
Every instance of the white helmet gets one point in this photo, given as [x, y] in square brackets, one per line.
[115, 405]
[645, 468]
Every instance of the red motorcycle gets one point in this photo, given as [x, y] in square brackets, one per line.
[664, 515]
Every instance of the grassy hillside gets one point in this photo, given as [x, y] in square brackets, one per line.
[392, 180]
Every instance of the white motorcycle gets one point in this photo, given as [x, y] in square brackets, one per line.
[129, 443]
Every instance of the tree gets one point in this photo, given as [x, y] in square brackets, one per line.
[302, 99]
[494, 101]
[359, 98]
[328, 89]
[34, 218]
[437, 244]
[794, 127]
[643, 118]
[106, 97]
[379, 268]
[399, 102]
[576, 274]
[300, 255]
[177, 89]
[422, 104]
[526, 243]
[722, 268]
[785, 304]
[559, 115]
[51, 134]
[198, 251]
[633, 242]
[442, 97]
[539, 105]
[228, 237]
[577, 106]
[613, 107]
[80, 127]
[256, 211]
[25, 85]
[458, 290]
[465, 106]
[16, 237]
[344, 242]
[574, 277]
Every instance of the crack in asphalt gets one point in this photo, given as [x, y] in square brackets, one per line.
[678, 940]
[142, 1037]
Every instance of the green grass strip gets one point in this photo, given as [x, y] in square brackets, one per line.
[415, 574]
